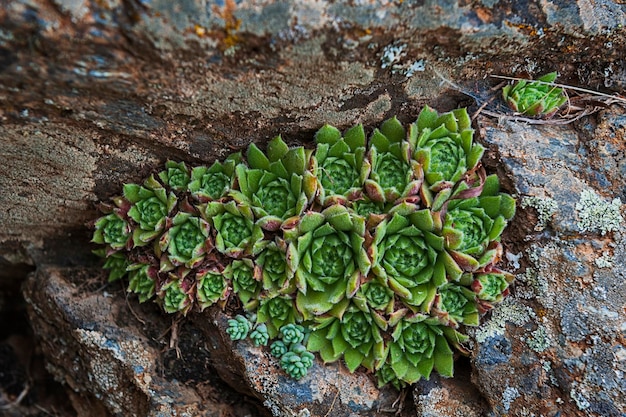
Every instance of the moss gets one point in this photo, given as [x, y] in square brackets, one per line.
[598, 215]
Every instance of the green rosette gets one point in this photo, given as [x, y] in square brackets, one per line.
[112, 230]
[338, 164]
[150, 207]
[214, 182]
[443, 146]
[176, 175]
[236, 233]
[327, 257]
[273, 184]
[142, 281]
[534, 98]
[185, 243]
[211, 288]
[393, 174]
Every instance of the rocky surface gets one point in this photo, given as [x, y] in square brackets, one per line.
[95, 94]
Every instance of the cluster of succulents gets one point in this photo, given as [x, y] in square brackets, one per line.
[535, 98]
[381, 251]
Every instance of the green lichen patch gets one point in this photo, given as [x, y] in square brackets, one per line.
[595, 214]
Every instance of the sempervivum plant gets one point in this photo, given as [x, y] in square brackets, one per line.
[272, 184]
[392, 171]
[443, 146]
[327, 257]
[338, 164]
[534, 98]
[376, 250]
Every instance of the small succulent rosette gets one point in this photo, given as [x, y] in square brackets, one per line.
[408, 256]
[212, 287]
[240, 273]
[143, 280]
[393, 174]
[236, 233]
[348, 332]
[327, 257]
[273, 185]
[472, 226]
[443, 146]
[113, 230]
[150, 207]
[214, 182]
[177, 294]
[337, 164]
[276, 312]
[186, 242]
[491, 286]
[271, 268]
[535, 98]
[176, 175]
[420, 343]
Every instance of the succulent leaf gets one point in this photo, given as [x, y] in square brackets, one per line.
[142, 281]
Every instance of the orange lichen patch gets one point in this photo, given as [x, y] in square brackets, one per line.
[199, 30]
[523, 27]
[231, 24]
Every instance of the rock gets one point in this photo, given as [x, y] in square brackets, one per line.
[326, 389]
[554, 346]
[101, 352]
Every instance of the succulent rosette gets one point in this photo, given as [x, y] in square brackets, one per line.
[272, 185]
[241, 274]
[419, 344]
[238, 328]
[455, 304]
[236, 233]
[534, 98]
[277, 312]
[326, 255]
[338, 164]
[214, 182]
[376, 298]
[176, 175]
[271, 265]
[142, 280]
[392, 172]
[177, 294]
[150, 206]
[491, 287]
[472, 226]
[408, 257]
[354, 335]
[297, 361]
[444, 148]
[116, 263]
[186, 242]
[113, 230]
[211, 287]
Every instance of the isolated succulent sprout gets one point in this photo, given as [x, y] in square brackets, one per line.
[142, 281]
[211, 287]
[328, 258]
[116, 263]
[443, 145]
[338, 163]
[176, 175]
[532, 98]
[278, 348]
[113, 231]
[355, 336]
[392, 172]
[292, 333]
[213, 183]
